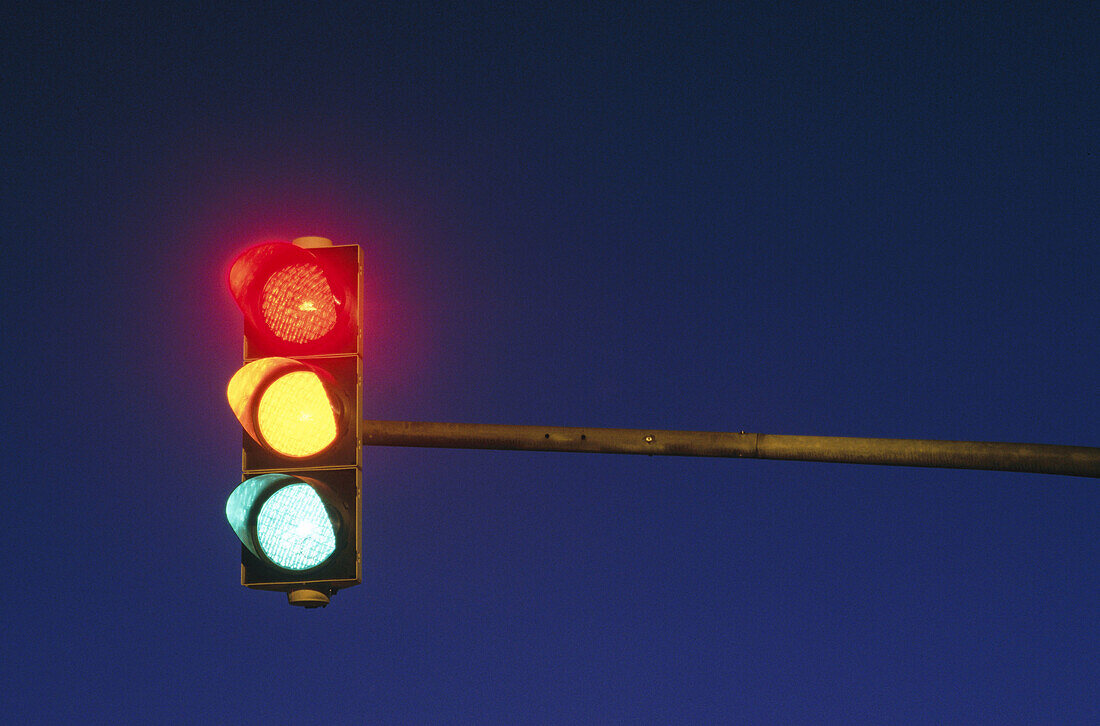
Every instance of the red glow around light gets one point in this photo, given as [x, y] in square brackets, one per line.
[294, 301]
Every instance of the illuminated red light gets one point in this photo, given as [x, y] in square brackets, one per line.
[293, 303]
[297, 303]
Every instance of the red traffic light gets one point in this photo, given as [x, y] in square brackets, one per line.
[294, 301]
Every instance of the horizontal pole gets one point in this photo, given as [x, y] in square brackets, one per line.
[1034, 458]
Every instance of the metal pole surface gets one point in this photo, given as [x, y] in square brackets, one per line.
[1035, 458]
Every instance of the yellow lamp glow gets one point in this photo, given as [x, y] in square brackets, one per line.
[295, 416]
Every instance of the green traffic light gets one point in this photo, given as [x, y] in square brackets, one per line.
[294, 530]
[283, 519]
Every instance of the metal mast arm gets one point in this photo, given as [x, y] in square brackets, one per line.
[1035, 458]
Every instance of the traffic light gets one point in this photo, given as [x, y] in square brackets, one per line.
[297, 397]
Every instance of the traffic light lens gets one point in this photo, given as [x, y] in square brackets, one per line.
[294, 530]
[297, 303]
[295, 415]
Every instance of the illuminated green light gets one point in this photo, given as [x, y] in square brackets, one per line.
[293, 528]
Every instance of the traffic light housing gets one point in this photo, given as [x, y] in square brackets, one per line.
[297, 397]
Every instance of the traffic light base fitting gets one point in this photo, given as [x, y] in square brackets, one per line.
[309, 598]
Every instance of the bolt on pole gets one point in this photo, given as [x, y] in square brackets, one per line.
[1033, 458]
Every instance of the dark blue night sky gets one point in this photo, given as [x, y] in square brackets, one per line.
[834, 219]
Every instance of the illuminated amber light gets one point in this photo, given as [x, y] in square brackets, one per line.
[295, 416]
[297, 303]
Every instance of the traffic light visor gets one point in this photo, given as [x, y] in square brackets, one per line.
[294, 302]
[287, 406]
